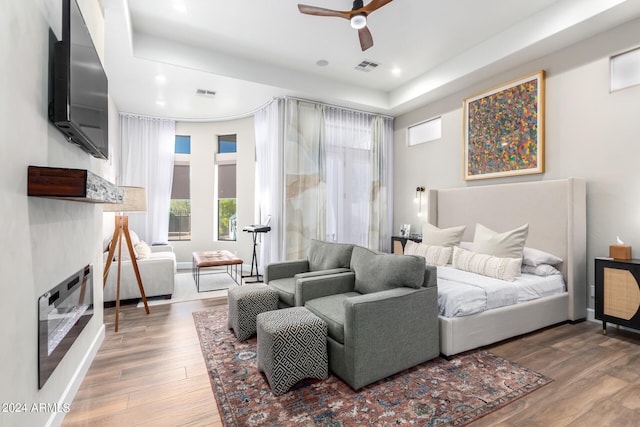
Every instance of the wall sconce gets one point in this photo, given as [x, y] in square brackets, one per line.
[418, 199]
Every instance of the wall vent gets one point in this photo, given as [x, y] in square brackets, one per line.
[367, 66]
[205, 92]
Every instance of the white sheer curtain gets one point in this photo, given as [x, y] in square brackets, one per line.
[381, 195]
[338, 165]
[269, 175]
[305, 177]
[148, 146]
[348, 147]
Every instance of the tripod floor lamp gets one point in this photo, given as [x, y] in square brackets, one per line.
[135, 200]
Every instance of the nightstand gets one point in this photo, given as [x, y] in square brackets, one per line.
[617, 292]
[398, 242]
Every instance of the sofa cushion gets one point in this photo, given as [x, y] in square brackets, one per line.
[328, 255]
[331, 310]
[286, 289]
[377, 272]
[163, 255]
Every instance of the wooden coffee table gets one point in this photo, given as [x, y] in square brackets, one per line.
[206, 259]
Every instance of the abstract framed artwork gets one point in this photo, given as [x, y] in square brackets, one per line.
[504, 130]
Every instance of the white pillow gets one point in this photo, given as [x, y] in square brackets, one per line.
[125, 249]
[503, 245]
[106, 241]
[534, 257]
[143, 251]
[134, 238]
[466, 245]
[486, 265]
[125, 252]
[434, 255]
[432, 235]
[540, 270]
[530, 256]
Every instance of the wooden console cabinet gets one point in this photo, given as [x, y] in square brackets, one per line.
[617, 292]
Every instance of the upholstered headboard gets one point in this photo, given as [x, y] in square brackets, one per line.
[555, 211]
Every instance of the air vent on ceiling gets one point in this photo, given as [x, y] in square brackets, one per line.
[205, 92]
[367, 66]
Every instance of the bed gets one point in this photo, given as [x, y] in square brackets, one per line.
[556, 213]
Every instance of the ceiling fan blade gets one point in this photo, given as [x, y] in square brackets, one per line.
[366, 40]
[374, 5]
[319, 11]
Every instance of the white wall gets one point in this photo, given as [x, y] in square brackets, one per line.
[43, 241]
[204, 144]
[590, 133]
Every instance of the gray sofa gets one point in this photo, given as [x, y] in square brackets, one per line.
[382, 316]
[323, 258]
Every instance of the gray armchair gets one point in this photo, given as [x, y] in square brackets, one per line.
[323, 258]
[382, 317]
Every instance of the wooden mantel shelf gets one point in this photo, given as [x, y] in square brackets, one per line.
[79, 185]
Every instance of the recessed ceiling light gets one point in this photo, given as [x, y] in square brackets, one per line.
[180, 7]
[161, 79]
[322, 62]
[396, 71]
[160, 103]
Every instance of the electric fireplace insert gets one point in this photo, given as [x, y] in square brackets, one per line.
[63, 312]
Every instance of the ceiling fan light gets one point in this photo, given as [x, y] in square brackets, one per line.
[359, 20]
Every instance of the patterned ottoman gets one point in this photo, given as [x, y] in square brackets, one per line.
[292, 345]
[245, 303]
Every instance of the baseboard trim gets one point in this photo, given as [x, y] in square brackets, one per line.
[76, 380]
[184, 265]
[591, 316]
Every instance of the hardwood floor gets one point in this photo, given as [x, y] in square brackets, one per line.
[152, 373]
[596, 378]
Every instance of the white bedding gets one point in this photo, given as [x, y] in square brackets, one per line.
[461, 293]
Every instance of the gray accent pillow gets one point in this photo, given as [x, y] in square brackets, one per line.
[328, 255]
[377, 272]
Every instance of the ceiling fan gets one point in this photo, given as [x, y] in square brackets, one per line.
[357, 15]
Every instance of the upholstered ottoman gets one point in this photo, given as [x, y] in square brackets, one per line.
[245, 303]
[292, 345]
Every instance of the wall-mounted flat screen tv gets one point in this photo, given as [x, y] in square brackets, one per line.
[79, 106]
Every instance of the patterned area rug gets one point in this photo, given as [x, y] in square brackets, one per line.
[436, 393]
